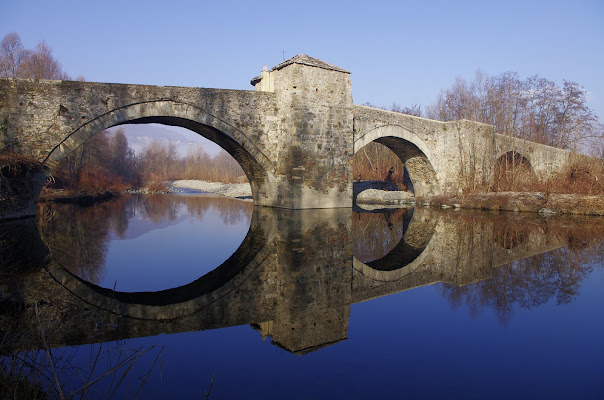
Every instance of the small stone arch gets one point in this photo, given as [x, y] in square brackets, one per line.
[411, 150]
[256, 165]
[512, 170]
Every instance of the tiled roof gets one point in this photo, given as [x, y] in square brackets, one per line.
[307, 60]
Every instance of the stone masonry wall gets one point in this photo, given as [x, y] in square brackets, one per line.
[463, 153]
[49, 119]
[314, 141]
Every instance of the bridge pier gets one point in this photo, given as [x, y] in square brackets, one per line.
[20, 187]
[313, 143]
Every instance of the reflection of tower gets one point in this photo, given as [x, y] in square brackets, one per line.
[314, 270]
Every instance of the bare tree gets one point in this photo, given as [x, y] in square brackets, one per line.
[18, 62]
[414, 109]
[11, 55]
[535, 109]
[41, 64]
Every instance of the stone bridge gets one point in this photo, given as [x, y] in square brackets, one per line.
[294, 277]
[294, 136]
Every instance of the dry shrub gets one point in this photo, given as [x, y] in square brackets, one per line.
[582, 176]
[92, 181]
[14, 163]
[585, 177]
[513, 173]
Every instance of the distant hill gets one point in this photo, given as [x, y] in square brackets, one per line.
[141, 135]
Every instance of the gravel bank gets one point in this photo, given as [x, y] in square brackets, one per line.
[238, 190]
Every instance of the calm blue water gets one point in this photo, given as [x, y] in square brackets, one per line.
[409, 344]
[534, 329]
[171, 251]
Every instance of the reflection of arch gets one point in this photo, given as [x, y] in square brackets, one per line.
[412, 151]
[253, 161]
[181, 301]
[376, 232]
[407, 255]
[511, 167]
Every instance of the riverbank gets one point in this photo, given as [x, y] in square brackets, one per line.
[240, 191]
[534, 202]
[370, 195]
[84, 199]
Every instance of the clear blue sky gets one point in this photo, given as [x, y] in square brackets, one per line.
[397, 51]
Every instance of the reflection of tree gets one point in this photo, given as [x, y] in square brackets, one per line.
[78, 236]
[376, 234]
[160, 208]
[234, 211]
[509, 237]
[529, 282]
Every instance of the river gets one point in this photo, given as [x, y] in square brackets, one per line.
[179, 295]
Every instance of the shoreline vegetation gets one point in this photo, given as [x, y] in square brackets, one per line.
[577, 190]
[241, 191]
[367, 197]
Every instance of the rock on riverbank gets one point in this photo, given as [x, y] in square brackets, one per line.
[380, 193]
[375, 196]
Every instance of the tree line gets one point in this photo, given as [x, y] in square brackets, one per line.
[533, 108]
[160, 162]
[106, 161]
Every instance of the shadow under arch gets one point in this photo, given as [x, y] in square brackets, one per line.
[514, 159]
[410, 252]
[181, 301]
[411, 150]
[256, 165]
[512, 168]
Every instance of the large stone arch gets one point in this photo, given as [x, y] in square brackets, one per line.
[256, 165]
[411, 150]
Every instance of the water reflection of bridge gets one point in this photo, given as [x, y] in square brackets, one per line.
[294, 277]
